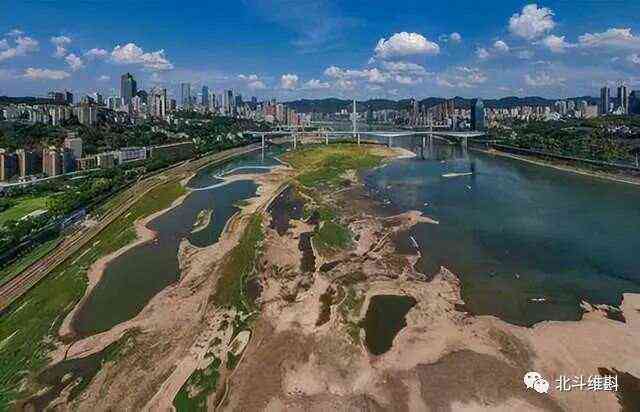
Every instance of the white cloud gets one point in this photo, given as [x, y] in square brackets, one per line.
[634, 58]
[344, 84]
[405, 67]
[461, 77]
[289, 81]
[248, 78]
[315, 84]
[405, 44]
[130, 53]
[96, 53]
[543, 79]
[455, 37]
[613, 38]
[482, 53]
[44, 74]
[104, 78]
[525, 54]
[253, 81]
[532, 22]
[501, 46]
[61, 43]
[15, 33]
[406, 80]
[556, 44]
[4, 44]
[23, 45]
[74, 62]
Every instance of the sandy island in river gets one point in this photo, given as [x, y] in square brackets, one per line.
[305, 349]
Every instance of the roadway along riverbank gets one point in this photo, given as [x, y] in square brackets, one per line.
[20, 284]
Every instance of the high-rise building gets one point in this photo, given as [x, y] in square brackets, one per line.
[158, 102]
[74, 144]
[128, 87]
[623, 98]
[605, 97]
[68, 97]
[51, 162]
[229, 103]
[185, 95]
[477, 115]
[143, 96]
[98, 98]
[87, 114]
[29, 162]
[634, 102]
[8, 165]
[205, 96]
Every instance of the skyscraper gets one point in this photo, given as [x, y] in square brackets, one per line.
[605, 96]
[477, 114]
[185, 95]
[128, 88]
[623, 98]
[229, 103]
[205, 96]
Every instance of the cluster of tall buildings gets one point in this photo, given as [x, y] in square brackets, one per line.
[624, 102]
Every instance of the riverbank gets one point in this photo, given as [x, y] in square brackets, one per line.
[564, 167]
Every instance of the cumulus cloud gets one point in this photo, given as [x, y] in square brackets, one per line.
[614, 38]
[461, 77]
[405, 67]
[15, 33]
[556, 44]
[532, 22]
[252, 81]
[23, 45]
[482, 53]
[405, 44]
[525, 54]
[4, 44]
[501, 46]
[104, 78]
[74, 62]
[345, 85]
[61, 43]
[634, 58]
[455, 37]
[315, 84]
[96, 53]
[44, 74]
[130, 53]
[543, 79]
[289, 81]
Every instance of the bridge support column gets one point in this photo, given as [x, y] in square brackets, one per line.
[295, 140]
[389, 141]
[424, 141]
[326, 138]
[358, 139]
[262, 140]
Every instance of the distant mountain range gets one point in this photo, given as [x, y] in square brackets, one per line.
[333, 105]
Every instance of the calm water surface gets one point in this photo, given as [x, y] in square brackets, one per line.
[132, 279]
[516, 233]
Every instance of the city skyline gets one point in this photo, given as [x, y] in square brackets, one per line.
[291, 50]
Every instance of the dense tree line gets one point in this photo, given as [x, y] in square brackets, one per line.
[576, 139]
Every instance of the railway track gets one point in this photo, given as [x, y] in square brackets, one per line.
[20, 284]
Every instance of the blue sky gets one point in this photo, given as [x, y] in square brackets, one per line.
[291, 49]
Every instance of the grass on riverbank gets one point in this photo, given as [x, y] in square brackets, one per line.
[23, 207]
[237, 266]
[325, 165]
[29, 326]
[28, 259]
[193, 394]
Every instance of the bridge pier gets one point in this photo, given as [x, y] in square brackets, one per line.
[389, 141]
[295, 140]
[263, 141]
[358, 135]
[326, 138]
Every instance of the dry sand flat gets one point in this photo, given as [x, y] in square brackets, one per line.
[443, 360]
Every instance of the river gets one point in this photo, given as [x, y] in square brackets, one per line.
[132, 279]
[528, 242]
